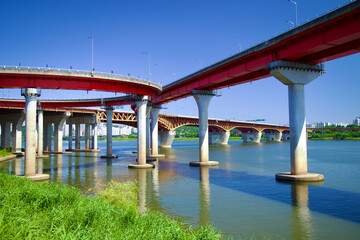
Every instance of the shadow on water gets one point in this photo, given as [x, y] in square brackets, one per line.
[336, 203]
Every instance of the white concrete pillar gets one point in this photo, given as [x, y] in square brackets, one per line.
[166, 138]
[30, 130]
[296, 76]
[87, 136]
[77, 136]
[17, 133]
[213, 136]
[224, 138]
[141, 103]
[47, 137]
[70, 136]
[59, 131]
[40, 138]
[202, 99]
[155, 130]
[148, 138]
[95, 136]
[251, 137]
[5, 134]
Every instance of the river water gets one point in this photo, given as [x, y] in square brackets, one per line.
[240, 197]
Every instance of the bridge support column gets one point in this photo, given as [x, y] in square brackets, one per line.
[70, 136]
[47, 136]
[148, 135]
[251, 137]
[87, 136]
[285, 137]
[166, 138]
[58, 131]
[40, 138]
[17, 133]
[5, 134]
[224, 138]
[77, 136]
[31, 95]
[109, 114]
[141, 103]
[202, 99]
[296, 76]
[155, 131]
[273, 136]
[95, 136]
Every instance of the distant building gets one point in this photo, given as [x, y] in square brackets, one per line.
[357, 121]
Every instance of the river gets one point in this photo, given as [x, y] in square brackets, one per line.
[240, 197]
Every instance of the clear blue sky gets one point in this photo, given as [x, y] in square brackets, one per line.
[182, 36]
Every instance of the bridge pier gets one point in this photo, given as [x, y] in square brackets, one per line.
[77, 136]
[296, 76]
[31, 95]
[17, 133]
[224, 138]
[40, 136]
[273, 136]
[285, 137]
[87, 136]
[5, 134]
[148, 134]
[141, 103]
[70, 136]
[155, 131]
[109, 114]
[166, 138]
[202, 99]
[251, 137]
[16, 120]
[95, 136]
[58, 119]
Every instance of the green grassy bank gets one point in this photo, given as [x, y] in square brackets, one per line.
[31, 210]
[5, 152]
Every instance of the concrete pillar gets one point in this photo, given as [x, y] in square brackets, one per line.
[273, 136]
[251, 137]
[285, 137]
[148, 138]
[87, 136]
[213, 136]
[166, 138]
[141, 103]
[58, 131]
[17, 133]
[30, 130]
[202, 99]
[155, 131]
[5, 134]
[296, 76]
[224, 138]
[40, 139]
[70, 136]
[77, 136]
[95, 136]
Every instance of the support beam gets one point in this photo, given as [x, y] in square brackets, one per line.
[296, 76]
[141, 103]
[202, 99]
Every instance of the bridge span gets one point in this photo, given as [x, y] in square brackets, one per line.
[295, 58]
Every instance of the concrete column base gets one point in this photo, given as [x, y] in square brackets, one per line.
[308, 177]
[43, 156]
[209, 163]
[38, 177]
[141, 166]
[111, 156]
[158, 156]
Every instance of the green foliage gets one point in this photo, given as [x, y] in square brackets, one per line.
[5, 152]
[187, 132]
[30, 210]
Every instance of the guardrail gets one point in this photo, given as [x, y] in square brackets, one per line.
[76, 71]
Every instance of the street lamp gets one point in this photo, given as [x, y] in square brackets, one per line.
[148, 63]
[92, 54]
[296, 21]
[161, 71]
[292, 23]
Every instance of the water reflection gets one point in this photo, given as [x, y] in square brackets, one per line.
[108, 169]
[204, 211]
[141, 178]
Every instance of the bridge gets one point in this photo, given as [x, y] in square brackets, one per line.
[295, 58]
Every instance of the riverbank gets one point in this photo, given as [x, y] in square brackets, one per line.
[53, 211]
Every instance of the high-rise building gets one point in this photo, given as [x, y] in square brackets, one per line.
[357, 121]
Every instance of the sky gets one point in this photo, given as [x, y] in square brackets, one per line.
[181, 37]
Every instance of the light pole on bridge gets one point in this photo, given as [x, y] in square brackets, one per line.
[92, 54]
[296, 15]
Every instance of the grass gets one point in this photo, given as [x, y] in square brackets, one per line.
[31, 210]
[5, 152]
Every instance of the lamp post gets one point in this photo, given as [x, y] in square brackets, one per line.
[161, 71]
[92, 54]
[296, 21]
[148, 63]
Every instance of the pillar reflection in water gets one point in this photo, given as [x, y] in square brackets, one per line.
[18, 166]
[204, 212]
[108, 169]
[141, 178]
[302, 224]
[40, 166]
[59, 165]
[155, 179]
